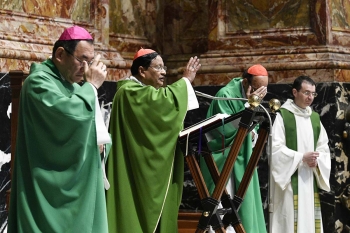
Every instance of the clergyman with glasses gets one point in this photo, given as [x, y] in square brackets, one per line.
[57, 181]
[300, 163]
[145, 167]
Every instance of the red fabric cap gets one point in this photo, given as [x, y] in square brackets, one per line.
[257, 70]
[142, 52]
[75, 33]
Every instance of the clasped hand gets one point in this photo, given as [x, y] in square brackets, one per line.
[311, 158]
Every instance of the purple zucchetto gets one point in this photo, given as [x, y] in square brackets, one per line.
[75, 33]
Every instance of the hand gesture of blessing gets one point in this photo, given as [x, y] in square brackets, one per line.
[192, 68]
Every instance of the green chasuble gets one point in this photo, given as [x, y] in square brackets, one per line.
[145, 167]
[251, 210]
[57, 183]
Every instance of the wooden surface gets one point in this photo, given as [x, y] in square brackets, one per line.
[16, 78]
[188, 221]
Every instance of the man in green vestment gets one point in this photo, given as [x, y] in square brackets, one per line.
[57, 182]
[254, 81]
[145, 166]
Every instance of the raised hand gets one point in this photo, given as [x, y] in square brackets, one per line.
[260, 92]
[96, 73]
[192, 68]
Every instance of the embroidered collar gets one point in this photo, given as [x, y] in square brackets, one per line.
[132, 78]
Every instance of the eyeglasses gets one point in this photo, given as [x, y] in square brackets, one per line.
[159, 68]
[308, 93]
[80, 61]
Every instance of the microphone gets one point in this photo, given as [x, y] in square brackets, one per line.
[198, 93]
[203, 95]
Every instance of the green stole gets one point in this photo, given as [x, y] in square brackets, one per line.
[291, 143]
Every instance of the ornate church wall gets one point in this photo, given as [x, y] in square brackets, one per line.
[289, 38]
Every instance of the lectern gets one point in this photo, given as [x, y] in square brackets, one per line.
[220, 218]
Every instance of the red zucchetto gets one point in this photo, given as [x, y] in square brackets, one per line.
[75, 33]
[257, 70]
[142, 52]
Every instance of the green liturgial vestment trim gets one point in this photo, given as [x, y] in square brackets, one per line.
[57, 183]
[251, 210]
[291, 143]
[145, 165]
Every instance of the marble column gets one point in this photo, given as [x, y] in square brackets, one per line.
[5, 145]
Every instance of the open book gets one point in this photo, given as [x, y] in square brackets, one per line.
[215, 118]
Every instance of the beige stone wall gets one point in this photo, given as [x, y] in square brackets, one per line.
[288, 37]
